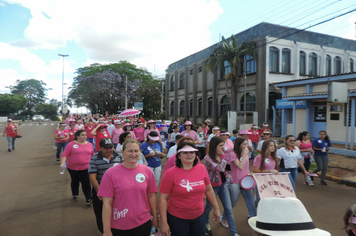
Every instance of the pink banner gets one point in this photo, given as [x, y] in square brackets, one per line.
[271, 185]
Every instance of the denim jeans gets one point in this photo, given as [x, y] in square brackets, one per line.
[91, 140]
[224, 196]
[293, 174]
[157, 173]
[322, 163]
[11, 141]
[59, 147]
[183, 227]
[235, 191]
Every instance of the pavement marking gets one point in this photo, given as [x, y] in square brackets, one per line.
[30, 124]
[45, 124]
[52, 124]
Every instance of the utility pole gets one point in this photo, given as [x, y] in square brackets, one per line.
[63, 56]
[245, 97]
[126, 93]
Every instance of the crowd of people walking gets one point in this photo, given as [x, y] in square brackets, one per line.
[118, 163]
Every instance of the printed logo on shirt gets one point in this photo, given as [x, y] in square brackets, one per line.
[267, 161]
[115, 164]
[150, 149]
[319, 141]
[119, 214]
[59, 132]
[71, 133]
[226, 148]
[75, 146]
[140, 178]
[105, 135]
[186, 135]
[189, 186]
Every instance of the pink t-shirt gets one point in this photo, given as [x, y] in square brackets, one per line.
[228, 148]
[129, 189]
[172, 162]
[270, 164]
[61, 134]
[115, 135]
[78, 155]
[133, 135]
[192, 134]
[71, 135]
[236, 173]
[147, 131]
[88, 129]
[186, 191]
[99, 136]
[139, 132]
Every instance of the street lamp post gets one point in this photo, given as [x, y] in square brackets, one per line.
[161, 93]
[63, 56]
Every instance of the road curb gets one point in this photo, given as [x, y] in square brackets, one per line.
[339, 180]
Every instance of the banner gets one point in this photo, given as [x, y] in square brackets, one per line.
[271, 185]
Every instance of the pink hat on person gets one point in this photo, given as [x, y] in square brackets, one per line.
[254, 126]
[140, 123]
[224, 133]
[216, 128]
[8, 120]
[153, 135]
[103, 125]
[266, 132]
[265, 125]
[127, 124]
[245, 131]
[151, 121]
[187, 149]
[117, 122]
[189, 123]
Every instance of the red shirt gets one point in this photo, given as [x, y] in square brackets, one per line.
[141, 120]
[99, 136]
[186, 190]
[61, 134]
[11, 130]
[88, 129]
[255, 136]
[71, 135]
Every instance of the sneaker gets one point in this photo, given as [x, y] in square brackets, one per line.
[208, 230]
[237, 234]
[58, 161]
[74, 198]
[224, 223]
[323, 183]
[89, 201]
[9, 150]
[306, 183]
[13, 148]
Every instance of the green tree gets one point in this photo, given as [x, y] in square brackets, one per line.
[47, 110]
[55, 102]
[10, 103]
[33, 90]
[233, 53]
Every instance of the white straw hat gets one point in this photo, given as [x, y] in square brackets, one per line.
[284, 216]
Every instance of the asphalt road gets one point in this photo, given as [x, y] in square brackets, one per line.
[35, 198]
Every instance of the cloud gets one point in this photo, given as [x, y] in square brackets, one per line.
[2, 4]
[8, 77]
[351, 32]
[155, 32]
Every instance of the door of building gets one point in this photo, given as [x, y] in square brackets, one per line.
[319, 119]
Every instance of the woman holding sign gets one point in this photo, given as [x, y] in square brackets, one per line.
[266, 162]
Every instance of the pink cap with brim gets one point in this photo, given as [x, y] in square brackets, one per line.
[154, 138]
[117, 122]
[8, 120]
[224, 133]
[352, 220]
[245, 131]
[254, 126]
[216, 128]
[151, 121]
[127, 124]
[103, 125]
[62, 125]
[265, 125]
[187, 149]
[266, 132]
[140, 123]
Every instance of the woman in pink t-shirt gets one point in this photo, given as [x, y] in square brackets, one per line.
[61, 136]
[306, 150]
[127, 128]
[71, 131]
[181, 199]
[228, 147]
[129, 193]
[189, 131]
[139, 132]
[77, 155]
[151, 127]
[116, 133]
[266, 162]
[99, 132]
[239, 169]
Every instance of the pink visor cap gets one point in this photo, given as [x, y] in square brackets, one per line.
[187, 149]
[245, 131]
[154, 138]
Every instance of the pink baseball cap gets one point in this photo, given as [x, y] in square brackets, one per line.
[245, 131]
[127, 124]
[151, 121]
[187, 149]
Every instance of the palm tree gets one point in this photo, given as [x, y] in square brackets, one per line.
[233, 53]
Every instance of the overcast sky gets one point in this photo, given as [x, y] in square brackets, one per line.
[147, 33]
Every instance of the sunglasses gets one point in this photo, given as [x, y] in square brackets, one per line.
[266, 134]
[224, 135]
[292, 140]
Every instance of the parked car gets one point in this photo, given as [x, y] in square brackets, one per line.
[38, 117]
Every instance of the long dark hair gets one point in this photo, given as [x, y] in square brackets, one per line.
[125, 128]
[237, 146]
[77, 134]
[214, 142]
[264, 155]
[210, 130]
[301, 135]
[123, 136]
[179, 161]
[327, 139]
[350, 212]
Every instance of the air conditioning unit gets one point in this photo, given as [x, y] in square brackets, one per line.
[335, 108]
[337, 92]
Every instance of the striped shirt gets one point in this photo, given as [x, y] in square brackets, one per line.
[98, 164]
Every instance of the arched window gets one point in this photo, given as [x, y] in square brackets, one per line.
[250, 102]
[181, 108]
[313, 66]
[172, 108]
[328, 65]
[337, 65]
[224, 105]
[191, 107]
[227, 68]
[172, 83]
[285, 60]
[200, 107]
[210, 107]
[352, 65]
[273, 59]
[302, 63]
[181, 80]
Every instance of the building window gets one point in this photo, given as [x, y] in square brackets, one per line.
[328, 65]
[337, 65]
[224, 105]
[227, 68]
[250, 65]
[172, 108]
[181, 80]
[302, 63]
[352, 65]
[313, 59]
[191, 107]
[172, 83]
[250, 102]
[181, 108]
[286, 61]
[210, 107]
[200, 107]
[191, 71]
[273, 59]
[200, 69]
